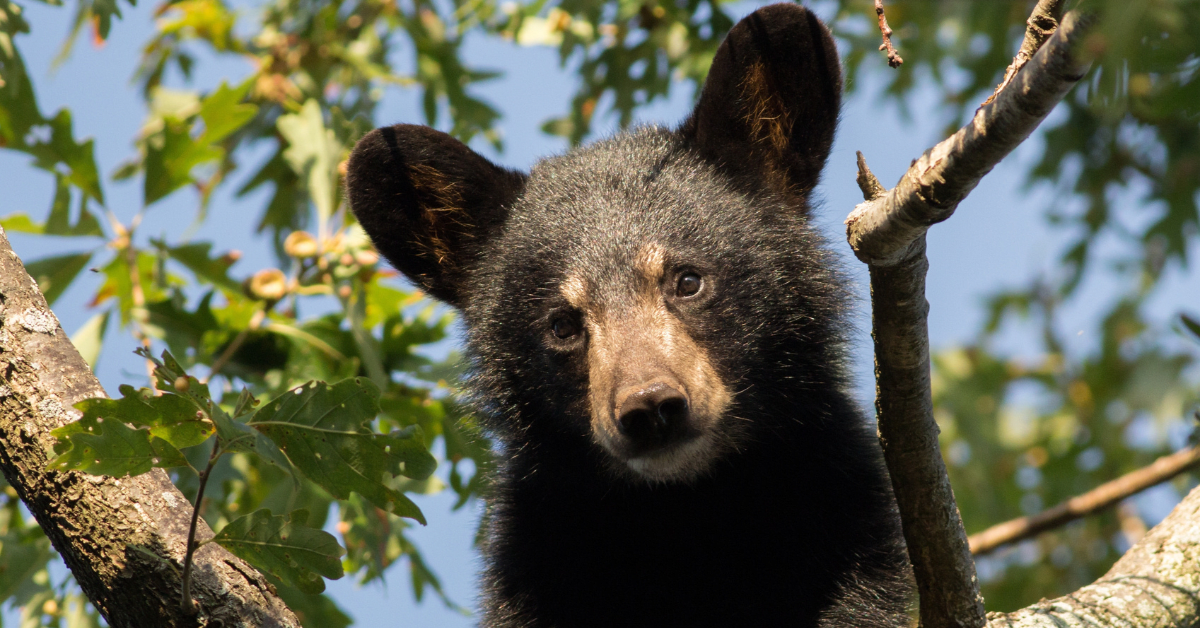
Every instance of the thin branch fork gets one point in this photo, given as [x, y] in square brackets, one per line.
[887, 232]
[883, 231]
[1093, 501]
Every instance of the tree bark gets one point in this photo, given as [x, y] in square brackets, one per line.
[1156, 584]
[887, 232]
[123, 539]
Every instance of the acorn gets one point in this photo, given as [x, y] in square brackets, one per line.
[300, 244]
[268, 284]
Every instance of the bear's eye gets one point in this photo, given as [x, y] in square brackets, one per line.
[565, 327]
[689, 284]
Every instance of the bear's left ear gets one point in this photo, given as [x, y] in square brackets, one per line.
[428, 202]
[769, 107]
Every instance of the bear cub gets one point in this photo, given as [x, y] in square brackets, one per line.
[657, 342]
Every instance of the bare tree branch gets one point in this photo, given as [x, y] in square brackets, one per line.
[894, 59]
[884, 231]
[937, 542]
[123, 539]
[887, 231]
[1095, 500]
[1038, 28]
[1154, 585]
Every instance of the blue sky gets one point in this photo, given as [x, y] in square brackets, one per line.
[996, 239]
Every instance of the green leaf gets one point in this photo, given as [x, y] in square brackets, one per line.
[223, 112]
[100, 443]
[323, 429]
[313, 152]
[22, 554]
[288, 550]
[198, 258]
[232, 435]
[1191, 324]
[158, 427]
[89, 339]
[21, 223]
[181, 329]
[314, 611]
[59, 221]
[54, 274]
[170, 159]
[170, 417]
[77, 157]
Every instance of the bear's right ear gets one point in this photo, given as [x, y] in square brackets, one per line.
[428, 202]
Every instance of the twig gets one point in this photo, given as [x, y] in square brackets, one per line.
[867, 181]
[887, 232]
[1038, 28]
[894, 59]
[189, 607]
[1095, 500]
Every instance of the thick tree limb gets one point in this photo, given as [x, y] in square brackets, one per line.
[98, 524]
[1156, 584]
[1095, 500]
[887, 232]
[933, 529]
[884, 231]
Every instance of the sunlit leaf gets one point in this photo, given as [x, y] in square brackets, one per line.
[101, 443]
[224, 112]
[89, 339]
[313, 153]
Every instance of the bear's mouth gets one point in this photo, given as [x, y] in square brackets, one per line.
[683, 459]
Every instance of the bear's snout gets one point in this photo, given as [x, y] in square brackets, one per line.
[652, 416]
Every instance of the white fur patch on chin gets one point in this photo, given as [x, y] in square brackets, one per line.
[681, 463]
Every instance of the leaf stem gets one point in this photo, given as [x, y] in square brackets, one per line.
[188, 606]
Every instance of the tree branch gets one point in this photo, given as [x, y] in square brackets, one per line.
[884, 231]
[1041, 24]
[887, 231]
[1095, 500]
[123, 539]
[1154, 584]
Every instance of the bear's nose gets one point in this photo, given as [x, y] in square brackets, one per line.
[653, 416]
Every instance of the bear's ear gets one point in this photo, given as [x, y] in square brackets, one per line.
[428, 202]
[769, 107]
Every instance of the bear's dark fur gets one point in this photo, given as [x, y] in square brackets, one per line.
[657, 341]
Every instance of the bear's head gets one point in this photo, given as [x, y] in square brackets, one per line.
[652, 303]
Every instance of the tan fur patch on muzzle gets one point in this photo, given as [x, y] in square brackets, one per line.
[635, 346]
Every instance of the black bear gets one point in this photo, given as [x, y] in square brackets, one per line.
[657, 338]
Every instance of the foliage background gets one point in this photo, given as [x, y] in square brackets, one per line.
[1056, 291]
